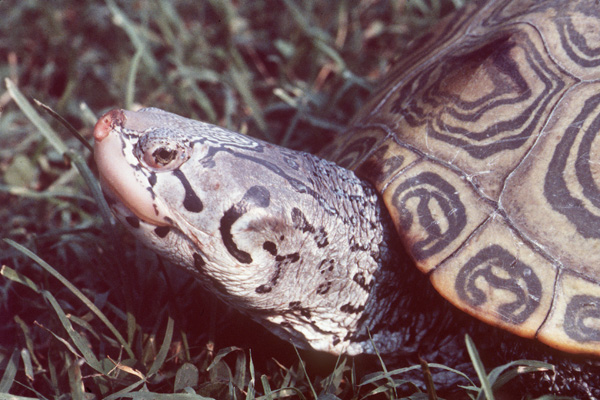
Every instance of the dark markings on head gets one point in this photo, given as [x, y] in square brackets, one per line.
[300, 222]
[191, 201]
[256, 196]
[360, 279]
[276, 275]
[263, 289]
[354, 246]
[152, 179]
[296, 184]
[282, 263]
[323, 265]
[199, 262]
[350, 309]
[162, 231]
[295, 306]
[321, 238]
[323, 288]
[270, 247]
[290, 258]
[133, 221]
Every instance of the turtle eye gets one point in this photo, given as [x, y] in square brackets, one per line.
[163, 156]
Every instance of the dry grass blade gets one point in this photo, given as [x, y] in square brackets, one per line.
[65, 123]
[241, 80]
[28, 365]
[431, 393]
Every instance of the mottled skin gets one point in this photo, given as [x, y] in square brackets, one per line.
[479, 149]
[294, 241]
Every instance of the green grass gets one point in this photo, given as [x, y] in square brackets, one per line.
[86, 312]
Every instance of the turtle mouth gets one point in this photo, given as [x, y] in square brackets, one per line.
[117, 174]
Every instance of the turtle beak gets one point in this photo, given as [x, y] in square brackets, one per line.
[117, 174]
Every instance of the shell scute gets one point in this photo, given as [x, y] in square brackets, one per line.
[435, 209]
[499, 278]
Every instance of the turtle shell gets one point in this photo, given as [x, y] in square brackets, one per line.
[484, 145]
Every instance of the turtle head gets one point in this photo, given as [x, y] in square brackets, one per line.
[197, 194]
[271, 231]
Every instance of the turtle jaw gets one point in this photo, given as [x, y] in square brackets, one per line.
[117, 174]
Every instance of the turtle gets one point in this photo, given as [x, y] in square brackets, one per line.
[472, 162]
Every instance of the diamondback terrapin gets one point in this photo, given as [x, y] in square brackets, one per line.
[478, 148]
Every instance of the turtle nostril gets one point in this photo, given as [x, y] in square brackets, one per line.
[107, 122]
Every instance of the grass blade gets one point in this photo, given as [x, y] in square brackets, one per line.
[82, 344]
[75, 291]
[251, 384]
[28, 365]
[164, 349]
[65, 123]
[222, 353]
[479, 369]
[130, 91]
[121, 20]
[46, 194]
[15, 276]
[35, 118]
[10, 372]
[503, 374]
[312, 389]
